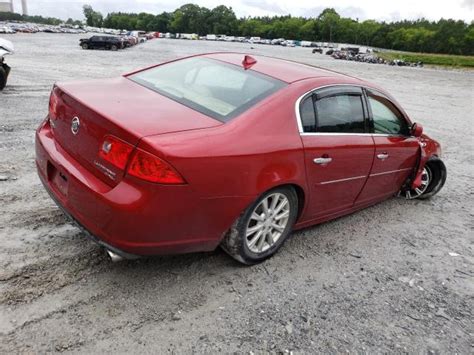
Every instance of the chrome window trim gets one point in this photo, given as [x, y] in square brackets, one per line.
[351, 134]
[300, 124]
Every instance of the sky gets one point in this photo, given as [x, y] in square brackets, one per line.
[361, 9]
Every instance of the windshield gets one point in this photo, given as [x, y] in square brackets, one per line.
[212, 87]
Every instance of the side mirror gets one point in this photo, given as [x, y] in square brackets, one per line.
[416, 130]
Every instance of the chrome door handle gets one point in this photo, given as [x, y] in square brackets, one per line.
[382, 156]
[322, 161]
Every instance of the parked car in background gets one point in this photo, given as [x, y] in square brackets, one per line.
[6, 47]
[189, 36]
[254, 40]
[289, 43]
[317, 50]
[154, 162]
[277, 41]
[141, 35]
[6, 29]
[129, 41]
[102, 42]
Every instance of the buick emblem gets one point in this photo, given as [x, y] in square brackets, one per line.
[75, 124]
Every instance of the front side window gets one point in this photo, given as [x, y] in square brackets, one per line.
[212, 87]
[387, 119]
[333, 111]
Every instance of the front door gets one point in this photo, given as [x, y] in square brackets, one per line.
[396, 151]
[338, 149]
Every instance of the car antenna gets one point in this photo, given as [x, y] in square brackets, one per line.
[248, 62]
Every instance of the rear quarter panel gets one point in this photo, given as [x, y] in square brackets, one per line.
[252, 153]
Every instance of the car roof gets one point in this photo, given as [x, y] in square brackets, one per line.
[282, 69]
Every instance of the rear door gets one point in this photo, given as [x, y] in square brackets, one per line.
[339, 150]
[95, 41]
[396, 151]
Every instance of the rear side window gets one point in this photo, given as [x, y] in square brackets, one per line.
[387, 119]
[215, 88]
[308, 116]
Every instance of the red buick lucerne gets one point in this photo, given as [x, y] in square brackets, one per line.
[226, 149]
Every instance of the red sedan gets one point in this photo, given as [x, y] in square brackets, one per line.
[226, 150]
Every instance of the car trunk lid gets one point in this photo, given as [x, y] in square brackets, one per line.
[86, 112]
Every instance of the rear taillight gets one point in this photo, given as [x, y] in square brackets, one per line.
[53, 103]
[143, 165]
[148, 167]
[115, 151]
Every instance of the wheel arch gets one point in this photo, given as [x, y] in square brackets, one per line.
[300, 194]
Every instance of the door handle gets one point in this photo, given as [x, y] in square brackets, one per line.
[322, 161]
[382, 156]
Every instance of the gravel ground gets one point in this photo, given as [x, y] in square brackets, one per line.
[396, 277]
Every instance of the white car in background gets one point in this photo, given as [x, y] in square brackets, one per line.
[6, 29]
[289, 43]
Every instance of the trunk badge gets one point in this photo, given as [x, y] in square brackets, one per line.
[75, 123]
[106, 147]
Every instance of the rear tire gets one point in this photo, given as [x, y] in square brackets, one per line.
[263, 227]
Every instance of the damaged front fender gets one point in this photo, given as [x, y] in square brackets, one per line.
[429, 149]
[429, 164]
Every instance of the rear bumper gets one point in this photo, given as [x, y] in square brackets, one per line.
[84, 229]
[134, 218]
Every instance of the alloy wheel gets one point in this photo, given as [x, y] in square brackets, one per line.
[420, 190]
[267, 222]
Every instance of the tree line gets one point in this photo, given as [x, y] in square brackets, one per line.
[443, 36]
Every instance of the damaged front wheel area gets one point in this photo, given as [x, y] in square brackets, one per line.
[433, 178]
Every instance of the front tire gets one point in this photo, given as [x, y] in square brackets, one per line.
[433, 179]
[263, 227]
[85, 46]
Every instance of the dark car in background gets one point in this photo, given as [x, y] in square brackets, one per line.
[6, 47]
[102, 42]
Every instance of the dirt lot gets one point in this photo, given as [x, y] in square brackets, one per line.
[395, 277]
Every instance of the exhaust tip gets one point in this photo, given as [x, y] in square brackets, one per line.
[114, 257]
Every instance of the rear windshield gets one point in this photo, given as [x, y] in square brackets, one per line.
[212, 87]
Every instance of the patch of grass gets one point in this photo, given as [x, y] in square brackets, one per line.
[432, 59]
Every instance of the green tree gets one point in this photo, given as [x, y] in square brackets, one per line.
[93, 18]
[367, 31]
[222, 20]
[328, 22]
[191, 18]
